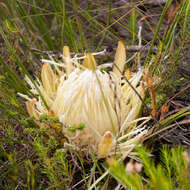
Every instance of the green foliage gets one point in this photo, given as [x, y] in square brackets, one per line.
[117, 169]
[133, 25]
[74, 128]
[54, 167]
[171, 173]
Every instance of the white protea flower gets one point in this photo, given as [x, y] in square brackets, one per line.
[104, 103]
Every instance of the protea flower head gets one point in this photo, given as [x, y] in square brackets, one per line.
[95, 110]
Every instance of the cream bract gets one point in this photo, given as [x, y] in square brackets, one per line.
[103, 102]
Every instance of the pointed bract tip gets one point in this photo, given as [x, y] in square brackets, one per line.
[105, 145]
[120, 58]
[128, 74]
[121, 43]
[44, 64]
[89, 62]
[33, 101]
[51, 113]
[66, 51]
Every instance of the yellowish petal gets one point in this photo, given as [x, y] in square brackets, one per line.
[105, 145]
[48, 78]
[89, 62]
[67, 60]
[128, 74]
[120, 58]
[66, 52]
[30, 105]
